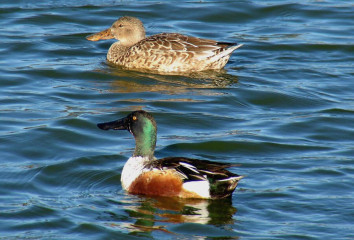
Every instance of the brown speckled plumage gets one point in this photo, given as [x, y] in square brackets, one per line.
[165, 52]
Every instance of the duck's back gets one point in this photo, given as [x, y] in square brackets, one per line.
[172, 52]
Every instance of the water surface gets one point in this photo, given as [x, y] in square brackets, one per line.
[282, 110]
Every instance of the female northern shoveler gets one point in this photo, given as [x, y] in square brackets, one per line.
[172, 176]
[165, 52]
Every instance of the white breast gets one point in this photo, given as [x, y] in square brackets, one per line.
[132, 169]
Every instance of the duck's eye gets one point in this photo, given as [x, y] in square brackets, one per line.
[134, 118]
[120, 25]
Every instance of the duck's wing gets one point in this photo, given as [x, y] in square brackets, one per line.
[174, 42]
[195, 169]
[222, 182]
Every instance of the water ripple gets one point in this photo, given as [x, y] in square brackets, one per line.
[282, 111]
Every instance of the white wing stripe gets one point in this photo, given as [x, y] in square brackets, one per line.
[190, 167]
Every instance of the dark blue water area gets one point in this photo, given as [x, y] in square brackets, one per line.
[282, 111]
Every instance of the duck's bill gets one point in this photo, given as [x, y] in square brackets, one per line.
[121, 124]
[103, 35]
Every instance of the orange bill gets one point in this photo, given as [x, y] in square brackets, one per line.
[105, 34]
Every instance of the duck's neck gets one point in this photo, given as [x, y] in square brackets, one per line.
[145, 143]
[133, 39]
[144, 148]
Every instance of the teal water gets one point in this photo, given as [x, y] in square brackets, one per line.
[283, 110]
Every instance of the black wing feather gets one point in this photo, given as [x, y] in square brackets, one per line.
[203, 169]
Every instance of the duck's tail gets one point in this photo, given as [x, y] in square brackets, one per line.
[223, 188]
[226, 52]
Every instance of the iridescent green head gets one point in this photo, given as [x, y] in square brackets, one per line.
[143, 127]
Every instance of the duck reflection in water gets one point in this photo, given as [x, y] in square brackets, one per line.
[156, 213]
[200, 83]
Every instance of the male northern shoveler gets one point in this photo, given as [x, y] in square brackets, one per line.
[165, 52]
[171, 176]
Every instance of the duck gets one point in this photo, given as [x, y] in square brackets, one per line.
[181, 177]
[164, 52]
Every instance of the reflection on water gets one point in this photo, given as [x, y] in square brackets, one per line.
[136, 82]
[289, 122]
[154, 213]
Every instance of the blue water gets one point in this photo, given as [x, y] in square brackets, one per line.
[282, 109]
